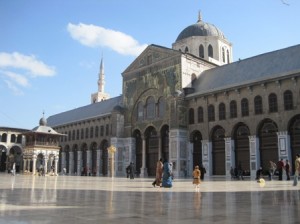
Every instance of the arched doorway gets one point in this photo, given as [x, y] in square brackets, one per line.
[196, 139]
[242, 150]
[268, 145]
[84, 168]
[15, 156]
[104, 157]
[139, 150]
[67, 151]
[294, 132]
[75, 159]
[94, 158]
[164, 133]
[218, 150]
[3, 158]
[152, 147]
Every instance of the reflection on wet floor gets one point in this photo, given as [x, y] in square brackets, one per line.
[64, 199]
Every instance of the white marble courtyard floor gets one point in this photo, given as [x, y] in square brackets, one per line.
[68, 199]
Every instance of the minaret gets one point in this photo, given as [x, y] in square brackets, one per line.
[100, 95]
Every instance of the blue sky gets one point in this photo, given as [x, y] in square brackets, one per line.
[50, 50]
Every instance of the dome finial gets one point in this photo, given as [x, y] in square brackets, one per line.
[199, 16]
[43, 121]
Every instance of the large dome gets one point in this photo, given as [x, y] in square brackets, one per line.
[200, 29]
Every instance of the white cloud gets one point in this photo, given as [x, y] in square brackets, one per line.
[31, 64]
[17, 78]
[95, 36]
[14, 88]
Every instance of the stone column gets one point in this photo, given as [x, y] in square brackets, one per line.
[79, 155]
[98, 162]
[46, 164]
[63, 160]
[34, 164]
[88, 161]
[24, 164]
[56, 163]
[71, 162]
[144, 168]
[229, 155]
[206, 156]
[254, 155]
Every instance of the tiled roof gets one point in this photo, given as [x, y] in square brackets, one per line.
[259, 68]
[85, 112]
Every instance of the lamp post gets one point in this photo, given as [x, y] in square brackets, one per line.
[111, 151]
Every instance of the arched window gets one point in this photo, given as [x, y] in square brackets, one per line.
[228, 57]
[186, 50]
[245, 107]
[200, 115]
[223, 54]
[73, 135]
[233, 109]
[273, 107]
[150, 108]
[69, 136]
[19, 139]
[161, 107]
[82, 133]
[191, 116]
[258, 107]
[97, 131]
[92, 132]
[4, 137]
[140, 111]
[210, 51]
[211, 113]
[87, 133]
[77, 134]
[222, 111]
[288, 100]
[201, 51]
[13, 138]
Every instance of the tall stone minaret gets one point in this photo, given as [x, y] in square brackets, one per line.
[100, 95]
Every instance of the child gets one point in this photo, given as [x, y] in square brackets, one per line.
[196, 176]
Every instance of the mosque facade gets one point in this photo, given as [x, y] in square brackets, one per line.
[192, 105]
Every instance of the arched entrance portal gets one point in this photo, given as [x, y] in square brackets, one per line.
[294, 131]
[164, 142]
[152, 146]
[268, 143]
[196, 139]
[3, 157]
[139, 150]
[15, 156]
[218, 151]
[104, 157]
[242, 153]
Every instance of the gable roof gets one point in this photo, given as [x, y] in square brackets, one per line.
[259, 68]
[86, 112]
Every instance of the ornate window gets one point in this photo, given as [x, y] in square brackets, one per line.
[200, 115]
[140, 111]
[273, 107]
[77, 134]
[150, 108]
[210, 51]
[161, 107]
[97, 131]
[101, 130]
[201, 51]
[73, 135]
[13, 138]
[87, 133]
[91, 132]
[107, 129]
[82, 133]
[191, 116]
[288, 100]
[222, 111]
[245, 107]
[258, 107]
[233, 109]
[211, 113]
[228, 58]
[69, 136]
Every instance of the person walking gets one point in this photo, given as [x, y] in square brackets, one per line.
[196, 178]
[280, 166]
[159, 171]
[167, 176]
[13, 170]
[287, 169]
[202, 171]
[297, 170]
[131, 172]
[272, 168]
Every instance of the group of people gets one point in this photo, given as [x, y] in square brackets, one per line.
[279, 168]
[130, 170]
[164, 174]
